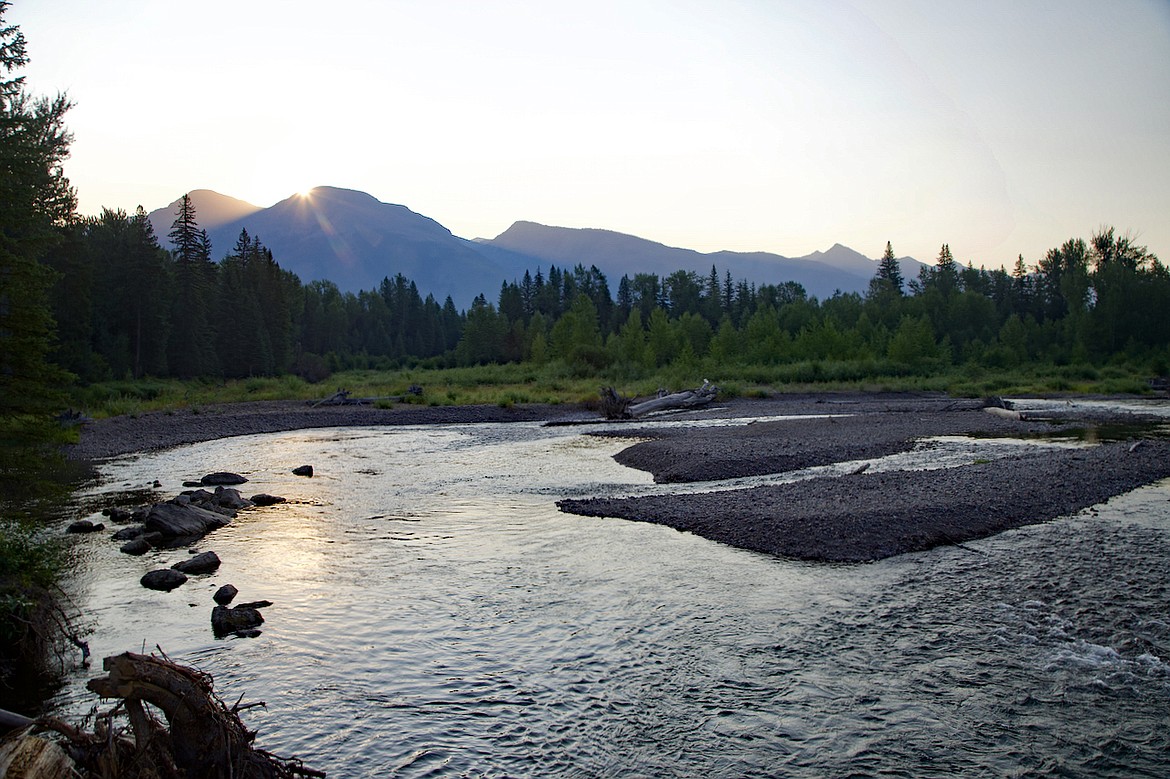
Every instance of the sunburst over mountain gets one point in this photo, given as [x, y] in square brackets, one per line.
[354, 240]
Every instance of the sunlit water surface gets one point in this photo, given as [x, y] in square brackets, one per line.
[435, 615]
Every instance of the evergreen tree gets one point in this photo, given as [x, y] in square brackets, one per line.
[192, 347]
[889, 275]
[36, 202]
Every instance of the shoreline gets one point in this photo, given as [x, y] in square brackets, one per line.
[853, 518]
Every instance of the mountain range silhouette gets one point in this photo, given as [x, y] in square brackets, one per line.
[354, 240]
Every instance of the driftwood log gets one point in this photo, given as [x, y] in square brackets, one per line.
[693, 398]
[614, 406]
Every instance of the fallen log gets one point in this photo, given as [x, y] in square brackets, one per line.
[694, 398]
[342, 398]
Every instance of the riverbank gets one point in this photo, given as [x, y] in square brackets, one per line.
[850, 518]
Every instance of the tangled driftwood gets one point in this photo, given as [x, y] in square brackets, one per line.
[203, 738]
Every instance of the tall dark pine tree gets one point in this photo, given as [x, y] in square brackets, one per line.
[245, 348]
[192, 346]
[36, 201]
[889, 273]
[148, 303]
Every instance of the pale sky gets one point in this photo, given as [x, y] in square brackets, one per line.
[1001, 127]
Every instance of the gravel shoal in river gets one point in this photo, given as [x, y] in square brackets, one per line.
[869, 516]
[860, 517]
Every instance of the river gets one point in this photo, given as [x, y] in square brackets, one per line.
[435, 615]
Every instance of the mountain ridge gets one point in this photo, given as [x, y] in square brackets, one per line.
[354, 240]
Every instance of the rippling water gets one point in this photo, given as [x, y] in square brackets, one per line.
[435, 615]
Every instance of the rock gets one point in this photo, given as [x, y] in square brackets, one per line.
[256, 604]
[127, 533]
[230, 498]
[304, 470]
[174, 520]
[199, 496]
[264, 499]
[192, 484]
[226, 621]
[225, 594]
[222, 478]
[203, 563]
[84, 526]
[253, 633]
[137, 547]
[164, 579]
[119, 515]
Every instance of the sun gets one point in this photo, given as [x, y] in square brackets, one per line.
[305, 194]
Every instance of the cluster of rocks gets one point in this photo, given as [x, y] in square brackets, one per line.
[208, 504]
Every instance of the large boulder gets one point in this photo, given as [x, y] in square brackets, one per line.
[163, 579]
[172, 520]
[223, 478]
[203, 563]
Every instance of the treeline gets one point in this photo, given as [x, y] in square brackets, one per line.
[1093, 302]
[126, 307]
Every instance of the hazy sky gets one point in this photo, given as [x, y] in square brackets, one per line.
[1001, 127]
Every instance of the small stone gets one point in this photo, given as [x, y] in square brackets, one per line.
[137, 547]
[222, 478]
[84, 526]
[225, 594]
[127, 533]
[119, 515]
[304, 470]
[264, 499]
[164, 579]
[192, 484]
[253, 633]
[230, 498]
[199, 564]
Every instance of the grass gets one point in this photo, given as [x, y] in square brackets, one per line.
[554, 383]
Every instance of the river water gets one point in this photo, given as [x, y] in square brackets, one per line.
[435, 615]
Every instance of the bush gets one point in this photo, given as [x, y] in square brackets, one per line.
[29, 622]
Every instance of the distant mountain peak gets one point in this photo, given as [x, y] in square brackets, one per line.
[212, 208]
